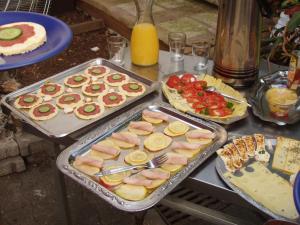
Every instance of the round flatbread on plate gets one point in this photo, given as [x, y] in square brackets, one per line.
[116, 79]
[51, 89]
[95, 89]
[21, 37]
[27, 101]
[132, 89]
[44, 111]
[89, 110]
[69, 100]
[112, 99]
[77, 80]
[97, 71]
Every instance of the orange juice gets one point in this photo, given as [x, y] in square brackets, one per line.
[144, 44]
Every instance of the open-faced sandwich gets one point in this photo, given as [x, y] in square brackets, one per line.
[21, 37]
[138, 143]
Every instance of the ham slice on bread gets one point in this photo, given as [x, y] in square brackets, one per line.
[142, 125]
[176, 159]
[106, 149]
[155, 174]
[156, 115]
[126, 137]
[89, 161]
[137, 180]
[200, 133]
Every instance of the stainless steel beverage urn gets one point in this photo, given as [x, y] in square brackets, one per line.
[236, 55]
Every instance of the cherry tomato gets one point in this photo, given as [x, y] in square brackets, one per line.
[188, 78]
[173, 81]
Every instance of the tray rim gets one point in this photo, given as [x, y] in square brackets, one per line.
[220, 166]
[153, 86]
[226, 122]
[253, 100]
[63, 161]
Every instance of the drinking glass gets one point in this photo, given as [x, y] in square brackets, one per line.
[200, 53]
[176, 44]
[116, 48]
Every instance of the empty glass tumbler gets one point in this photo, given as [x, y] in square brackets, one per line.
[176, 45]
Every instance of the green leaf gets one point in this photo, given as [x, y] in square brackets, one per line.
[294, 22]
[278, 41]
[286, 3]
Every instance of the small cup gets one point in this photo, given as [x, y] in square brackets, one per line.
[116, 48]
[200, 52]
[177, 44]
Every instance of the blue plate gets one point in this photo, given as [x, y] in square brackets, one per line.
[297, 192]
[59, 36]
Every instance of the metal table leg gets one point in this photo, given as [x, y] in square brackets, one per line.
[62, 193]
[201, 212]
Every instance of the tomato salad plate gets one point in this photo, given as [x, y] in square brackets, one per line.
[189, 93]
[78, 97]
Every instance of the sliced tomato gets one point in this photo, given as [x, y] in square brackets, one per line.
[220, 112]
[198, 105]
[200, 84]
[188, 78]
[173, 81]
[192, 99]
[188, 93]
[179, 87]
[189, 86]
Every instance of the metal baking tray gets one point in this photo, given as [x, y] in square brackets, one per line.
[65, 159]
[270, 147]
[217, 120]
[65, 124]
[259, 103]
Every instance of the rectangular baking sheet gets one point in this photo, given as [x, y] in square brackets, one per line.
[270, 147]
[65, 159]
[65, 124]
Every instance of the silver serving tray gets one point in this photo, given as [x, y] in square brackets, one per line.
[259, 103]
[65, 124]
[65, 159]
[221, 121]
[270, 147]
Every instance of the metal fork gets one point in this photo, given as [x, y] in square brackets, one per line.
[154, 163]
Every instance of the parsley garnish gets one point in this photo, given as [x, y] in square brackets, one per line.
[229, 105]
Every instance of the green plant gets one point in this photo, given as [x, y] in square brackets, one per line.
[286, 39]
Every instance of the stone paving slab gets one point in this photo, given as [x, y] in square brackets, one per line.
[12, 165]
[195, 17]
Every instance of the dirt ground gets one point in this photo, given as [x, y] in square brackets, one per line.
[78, 52]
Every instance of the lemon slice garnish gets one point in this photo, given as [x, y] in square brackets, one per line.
[138, 156]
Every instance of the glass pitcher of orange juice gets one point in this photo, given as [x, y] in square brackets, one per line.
[144, 40]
